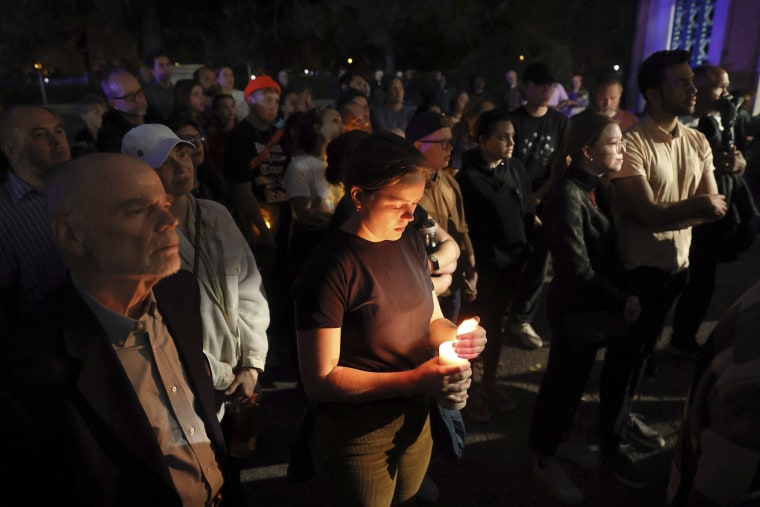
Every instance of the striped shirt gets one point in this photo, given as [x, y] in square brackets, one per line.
[30, 264]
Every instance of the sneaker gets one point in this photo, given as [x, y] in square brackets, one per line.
[622, 466]
[527, 335]
[689, 351]
[555, 482]
[637, 430]
[476, 408]
[428, 491]
[580, 453]
[496, 396]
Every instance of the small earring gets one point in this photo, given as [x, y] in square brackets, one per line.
[591, 159]
[357, 209]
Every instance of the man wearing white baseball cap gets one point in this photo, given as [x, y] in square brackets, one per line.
[153, 143]
[234, 310]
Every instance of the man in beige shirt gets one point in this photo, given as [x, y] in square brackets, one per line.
[666, 185]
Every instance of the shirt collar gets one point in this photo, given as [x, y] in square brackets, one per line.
[18, 187]
[658, 133]
[117, 326]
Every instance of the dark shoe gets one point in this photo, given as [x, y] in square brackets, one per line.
[622, 466]
[651, 370]
[638, 431]
[496, 395]
[428, 490]
[556, 484]
[476, 408]
[687, 351]
[579, 453]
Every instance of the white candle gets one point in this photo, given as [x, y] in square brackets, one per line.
[447, 355]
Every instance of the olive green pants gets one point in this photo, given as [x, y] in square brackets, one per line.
[372, 454]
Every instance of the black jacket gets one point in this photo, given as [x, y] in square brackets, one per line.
[589, 274]
[112, 131]
[74, 431]
[498, 205]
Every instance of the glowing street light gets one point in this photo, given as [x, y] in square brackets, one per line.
[521, 58]
[350, 61]
[616, 67]
[38, 68]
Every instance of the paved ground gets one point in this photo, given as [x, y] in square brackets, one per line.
[494, 469]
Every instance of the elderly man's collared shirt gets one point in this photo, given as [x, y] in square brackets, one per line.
[673, 166]
[150, 359]
[30, 264]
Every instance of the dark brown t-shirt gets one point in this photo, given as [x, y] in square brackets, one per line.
[379, 294]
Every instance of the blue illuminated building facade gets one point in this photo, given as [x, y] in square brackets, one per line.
[719, 32]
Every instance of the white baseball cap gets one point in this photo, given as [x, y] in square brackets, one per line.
[151, 142]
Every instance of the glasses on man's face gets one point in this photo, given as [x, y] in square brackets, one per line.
[131, 97]
[444, 143]
[197, 139]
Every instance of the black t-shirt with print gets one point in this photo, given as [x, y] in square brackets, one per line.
[537, 140]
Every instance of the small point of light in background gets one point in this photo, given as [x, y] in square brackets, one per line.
[47, 80]
[350, 61]
[521, 58]
[306, 72]
[38, 65]
[616, 67]
[253, 76]
[176, 64]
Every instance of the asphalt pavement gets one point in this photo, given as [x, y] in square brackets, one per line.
[495, 468]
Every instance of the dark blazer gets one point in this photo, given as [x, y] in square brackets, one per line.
[76, 433]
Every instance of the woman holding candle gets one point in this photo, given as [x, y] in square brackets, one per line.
[588, 304]
[368, 323]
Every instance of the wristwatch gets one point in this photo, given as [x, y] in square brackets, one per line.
[434, 261]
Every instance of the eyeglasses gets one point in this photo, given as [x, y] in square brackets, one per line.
[445, 143]
[197, 139]
[619, 145]
[131, 97]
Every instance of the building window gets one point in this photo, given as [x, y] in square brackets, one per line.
[692, 28]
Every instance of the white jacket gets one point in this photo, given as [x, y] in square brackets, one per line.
[243, 340]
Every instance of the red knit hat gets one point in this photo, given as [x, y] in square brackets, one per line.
[259, 83]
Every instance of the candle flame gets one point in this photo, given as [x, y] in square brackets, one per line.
[467, 326]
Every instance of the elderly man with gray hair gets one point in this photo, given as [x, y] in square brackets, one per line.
[116, 350]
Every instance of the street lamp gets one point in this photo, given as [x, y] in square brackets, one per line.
[38, 68]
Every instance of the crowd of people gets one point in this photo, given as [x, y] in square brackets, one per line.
[193, 235]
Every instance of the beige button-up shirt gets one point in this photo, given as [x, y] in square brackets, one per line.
[673, 165]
